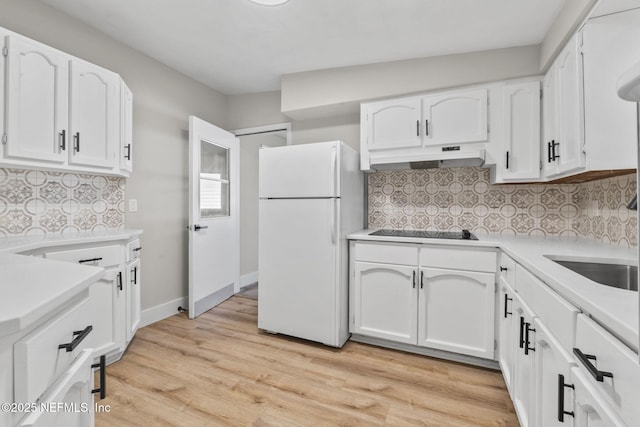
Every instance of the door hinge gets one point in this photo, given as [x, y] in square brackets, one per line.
[540, 164]
[4, 138]
[5, 51]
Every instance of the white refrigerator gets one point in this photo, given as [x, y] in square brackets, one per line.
[311, 196]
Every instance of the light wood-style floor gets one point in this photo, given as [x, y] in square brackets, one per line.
[219, 370]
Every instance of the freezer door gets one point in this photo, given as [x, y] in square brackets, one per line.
[307, 170]
[298, 268]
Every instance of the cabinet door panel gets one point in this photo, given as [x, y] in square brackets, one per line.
[126, 128]
[133, 298]
[550, 121]
[394, 124]
[523, 380]
[571, 107]
[385, 301]
[550, 361]
[507, 343]
[108, 304]
[37, 87]
[456, 117]
[590, 409]
[522, 131]
[95, 131]
[456, 311]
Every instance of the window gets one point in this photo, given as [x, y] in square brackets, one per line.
[214, 180]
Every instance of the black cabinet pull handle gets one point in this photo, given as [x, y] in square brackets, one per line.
[561, 387]
[103, 377]
[507, 160]
[137, 249]
[527, 349]
[76, 142]
[63, 140]
[413, 281]
[79, 337]
[503, 268]
[426, 127]
[417, 127]
[135, 275]
[82, 261]
[128, 155]
[506, 309]
[421, 279]
[555, 144]
[549, 152]
[521, 332]
[120, 280]
[595, 373]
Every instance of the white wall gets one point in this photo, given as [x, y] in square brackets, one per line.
[340, 90]
[163, 100]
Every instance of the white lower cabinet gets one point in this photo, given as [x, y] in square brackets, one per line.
[69, 402]
[456, 311]
[523, 333]
[506, 341]
[412, 303]
[107, 300]
[134, 281]
[385, 302]
[589, 408]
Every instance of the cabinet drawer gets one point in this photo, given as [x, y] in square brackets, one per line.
[101, 256]
[387, 253]
[612, 356]
[133, 250]
[506, 269]
[38, 359]
[458, 258]
[554, 311]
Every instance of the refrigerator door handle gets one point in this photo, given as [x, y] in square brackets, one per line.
[334, 175]
[333, 220]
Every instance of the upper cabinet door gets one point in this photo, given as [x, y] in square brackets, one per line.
[455, 117]
[522, 131]
[550, 122]
[126, 128]
[36, 101]
[95, 130]
[570, 107]
[393, 124]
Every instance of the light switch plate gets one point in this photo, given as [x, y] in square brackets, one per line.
[133, 205]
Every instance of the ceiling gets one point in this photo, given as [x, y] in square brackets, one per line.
[236, 46]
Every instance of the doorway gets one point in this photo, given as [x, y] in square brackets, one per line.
[251, 140]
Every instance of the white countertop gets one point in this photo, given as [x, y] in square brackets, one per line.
[27, 243]
[32, 287]
[615, 309]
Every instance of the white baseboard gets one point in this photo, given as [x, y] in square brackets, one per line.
[248, 279]
[162, 311]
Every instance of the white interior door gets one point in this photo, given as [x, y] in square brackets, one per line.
[214, 233]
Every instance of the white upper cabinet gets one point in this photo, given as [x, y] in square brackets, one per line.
[61, 113]
[564, 133]
[610, 47]
[393, 124]
[36, 101]
[126, 128]
[95, 102]
[521, 118]
[455, 118]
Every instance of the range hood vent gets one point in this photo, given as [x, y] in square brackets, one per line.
[451, 158]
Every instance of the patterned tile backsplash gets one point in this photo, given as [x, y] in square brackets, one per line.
[456, 198]
[38, 202]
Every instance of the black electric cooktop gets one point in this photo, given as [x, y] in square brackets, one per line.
[456, 235]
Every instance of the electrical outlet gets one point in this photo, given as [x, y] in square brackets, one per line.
[133, 205]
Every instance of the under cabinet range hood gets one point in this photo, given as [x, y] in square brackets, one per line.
[448, 158]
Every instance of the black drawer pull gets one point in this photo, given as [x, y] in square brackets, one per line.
[137, 249]
[527, 349]
[82, 261]
[503, 268]
[506, 309]
[76, 144]
[120, 280]
[128, 155]
[135, 275]
[521, 332]
[103, 377]
[595, 373]
[561, 387]
[413, 281]
[79, 337]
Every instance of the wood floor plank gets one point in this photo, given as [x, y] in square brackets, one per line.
[220, 370]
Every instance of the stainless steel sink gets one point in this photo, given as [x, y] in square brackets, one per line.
[620, 276]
